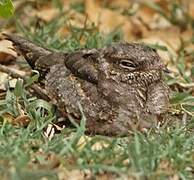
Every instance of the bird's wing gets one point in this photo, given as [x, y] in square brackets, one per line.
[81, 63]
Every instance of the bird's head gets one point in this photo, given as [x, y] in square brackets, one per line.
[131, 61]
[131, 57]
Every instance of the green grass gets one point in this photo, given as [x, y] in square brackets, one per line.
[25, 153]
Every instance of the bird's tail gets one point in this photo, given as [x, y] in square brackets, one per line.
[28, 49]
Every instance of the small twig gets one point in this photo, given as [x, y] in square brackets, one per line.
[188, 85]
[12, 72]
[39, 92]
[84, 28]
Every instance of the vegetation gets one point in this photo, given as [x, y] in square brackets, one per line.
[6, 8]
[27, 151]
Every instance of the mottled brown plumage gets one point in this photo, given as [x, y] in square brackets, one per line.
[120, 87]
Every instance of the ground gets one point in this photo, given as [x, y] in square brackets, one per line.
[32, 146]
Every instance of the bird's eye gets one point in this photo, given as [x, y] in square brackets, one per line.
[127, 64]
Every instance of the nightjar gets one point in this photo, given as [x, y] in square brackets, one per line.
[120, 87]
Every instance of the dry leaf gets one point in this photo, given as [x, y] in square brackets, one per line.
[8, 117]
[47, 14]
[99, 145]
[191, 8]
[165, 55]
[49, 132]
[82, 142]
[175, 177]
[108, 20]
[71, 174]
[3, 80]
[6, 51]
[120, 4]
[75, 19]
[22, 121]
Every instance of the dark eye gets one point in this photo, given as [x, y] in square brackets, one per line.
[127, 64]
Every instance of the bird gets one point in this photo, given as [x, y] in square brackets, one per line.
[120, 87]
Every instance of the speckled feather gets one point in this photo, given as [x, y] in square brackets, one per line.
[120, 87]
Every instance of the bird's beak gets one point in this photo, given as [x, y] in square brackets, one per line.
[165, 69]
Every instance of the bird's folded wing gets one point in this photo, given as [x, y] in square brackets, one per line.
[81, 63]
